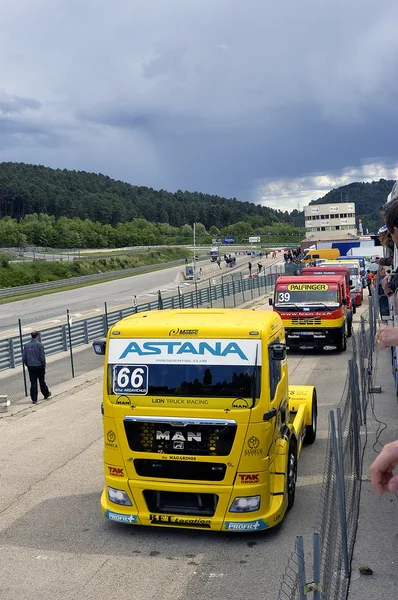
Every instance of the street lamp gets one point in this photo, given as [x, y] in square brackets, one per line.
[194, 251]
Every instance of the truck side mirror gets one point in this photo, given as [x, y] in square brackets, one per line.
[99, 346]
[350, 281]
[270, 301]
[278, 351]
[344, 301]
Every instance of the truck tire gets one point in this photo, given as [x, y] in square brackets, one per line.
[291, 474]
[310, 430]
[343, 347]
[349, 324]
[354, 306]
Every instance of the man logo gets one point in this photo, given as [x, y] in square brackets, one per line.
[125, 400]
[177, 436]
[240, 403]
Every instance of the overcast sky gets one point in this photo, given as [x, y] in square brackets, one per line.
[265, 100]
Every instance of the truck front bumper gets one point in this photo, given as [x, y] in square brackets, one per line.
[314, 339]
[144, 511]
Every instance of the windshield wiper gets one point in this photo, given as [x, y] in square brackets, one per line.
[321, 304]
[283, 304]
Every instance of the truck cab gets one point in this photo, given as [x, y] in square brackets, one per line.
[342, 270]
[311, 255]
[200, 427]
[354, 267]
[214, 253]
[313, 310]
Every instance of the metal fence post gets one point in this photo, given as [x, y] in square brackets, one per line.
[354, 411]
[23, 364]
[301, 567]
[317, 566]
[242, 281]
[70, 343]
[196, 294]
[179, 297]
[106, 316]
[210, 295]
[233, 291]
[337, 442]
[160, 301]
[222, 290]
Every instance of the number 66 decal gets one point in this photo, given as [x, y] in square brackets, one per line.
[130, 379]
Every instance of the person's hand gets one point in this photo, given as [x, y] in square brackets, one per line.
[387, 336]
[382, 469]
[386, 285]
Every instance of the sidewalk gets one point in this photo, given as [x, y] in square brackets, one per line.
[376, 545]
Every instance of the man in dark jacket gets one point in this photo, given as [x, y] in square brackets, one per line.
[35, 360]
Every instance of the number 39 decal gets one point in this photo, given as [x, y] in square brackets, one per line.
[283, 297]
[130, 379]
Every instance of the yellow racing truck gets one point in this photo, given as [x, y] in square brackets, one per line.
[200, 427]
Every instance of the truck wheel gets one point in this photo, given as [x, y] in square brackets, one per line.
[354, 307]
[349, 325]
[291, 475]
[310, 430]
[344, 342]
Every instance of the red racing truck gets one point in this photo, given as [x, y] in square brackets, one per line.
[313, 311]
[344, 272]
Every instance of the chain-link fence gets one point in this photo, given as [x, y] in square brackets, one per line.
[69, 342]
[337, 517]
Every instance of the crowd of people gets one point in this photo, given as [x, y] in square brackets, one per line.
[383, 475]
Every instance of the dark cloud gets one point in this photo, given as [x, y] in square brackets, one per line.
[220, 96]
[15, 104]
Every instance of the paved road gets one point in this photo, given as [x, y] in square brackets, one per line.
[114, 293]
[51, 309]
[51, 529]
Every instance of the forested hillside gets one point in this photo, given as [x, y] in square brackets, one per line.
[368, 198]
[27, 189]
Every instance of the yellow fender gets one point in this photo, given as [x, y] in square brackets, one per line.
[303, 410]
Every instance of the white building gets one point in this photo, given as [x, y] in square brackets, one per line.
[335, 221]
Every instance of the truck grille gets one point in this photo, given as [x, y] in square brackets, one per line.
[181, 503]
[177, 469]
[199, 437]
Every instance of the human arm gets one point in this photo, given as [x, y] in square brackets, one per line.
[382, 469]
[387, 336]
[24, 357]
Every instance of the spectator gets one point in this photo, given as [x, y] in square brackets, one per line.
[250, 268]
[369, 281]
[34, 359]
[382, 469]
[259, 266]
[219, 262]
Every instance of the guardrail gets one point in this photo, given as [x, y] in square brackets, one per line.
[61, 338]
[26, 289]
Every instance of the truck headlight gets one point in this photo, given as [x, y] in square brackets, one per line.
[245, 504]
[118, 497]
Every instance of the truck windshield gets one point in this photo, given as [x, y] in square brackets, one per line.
[307, 297]
[214, 381]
